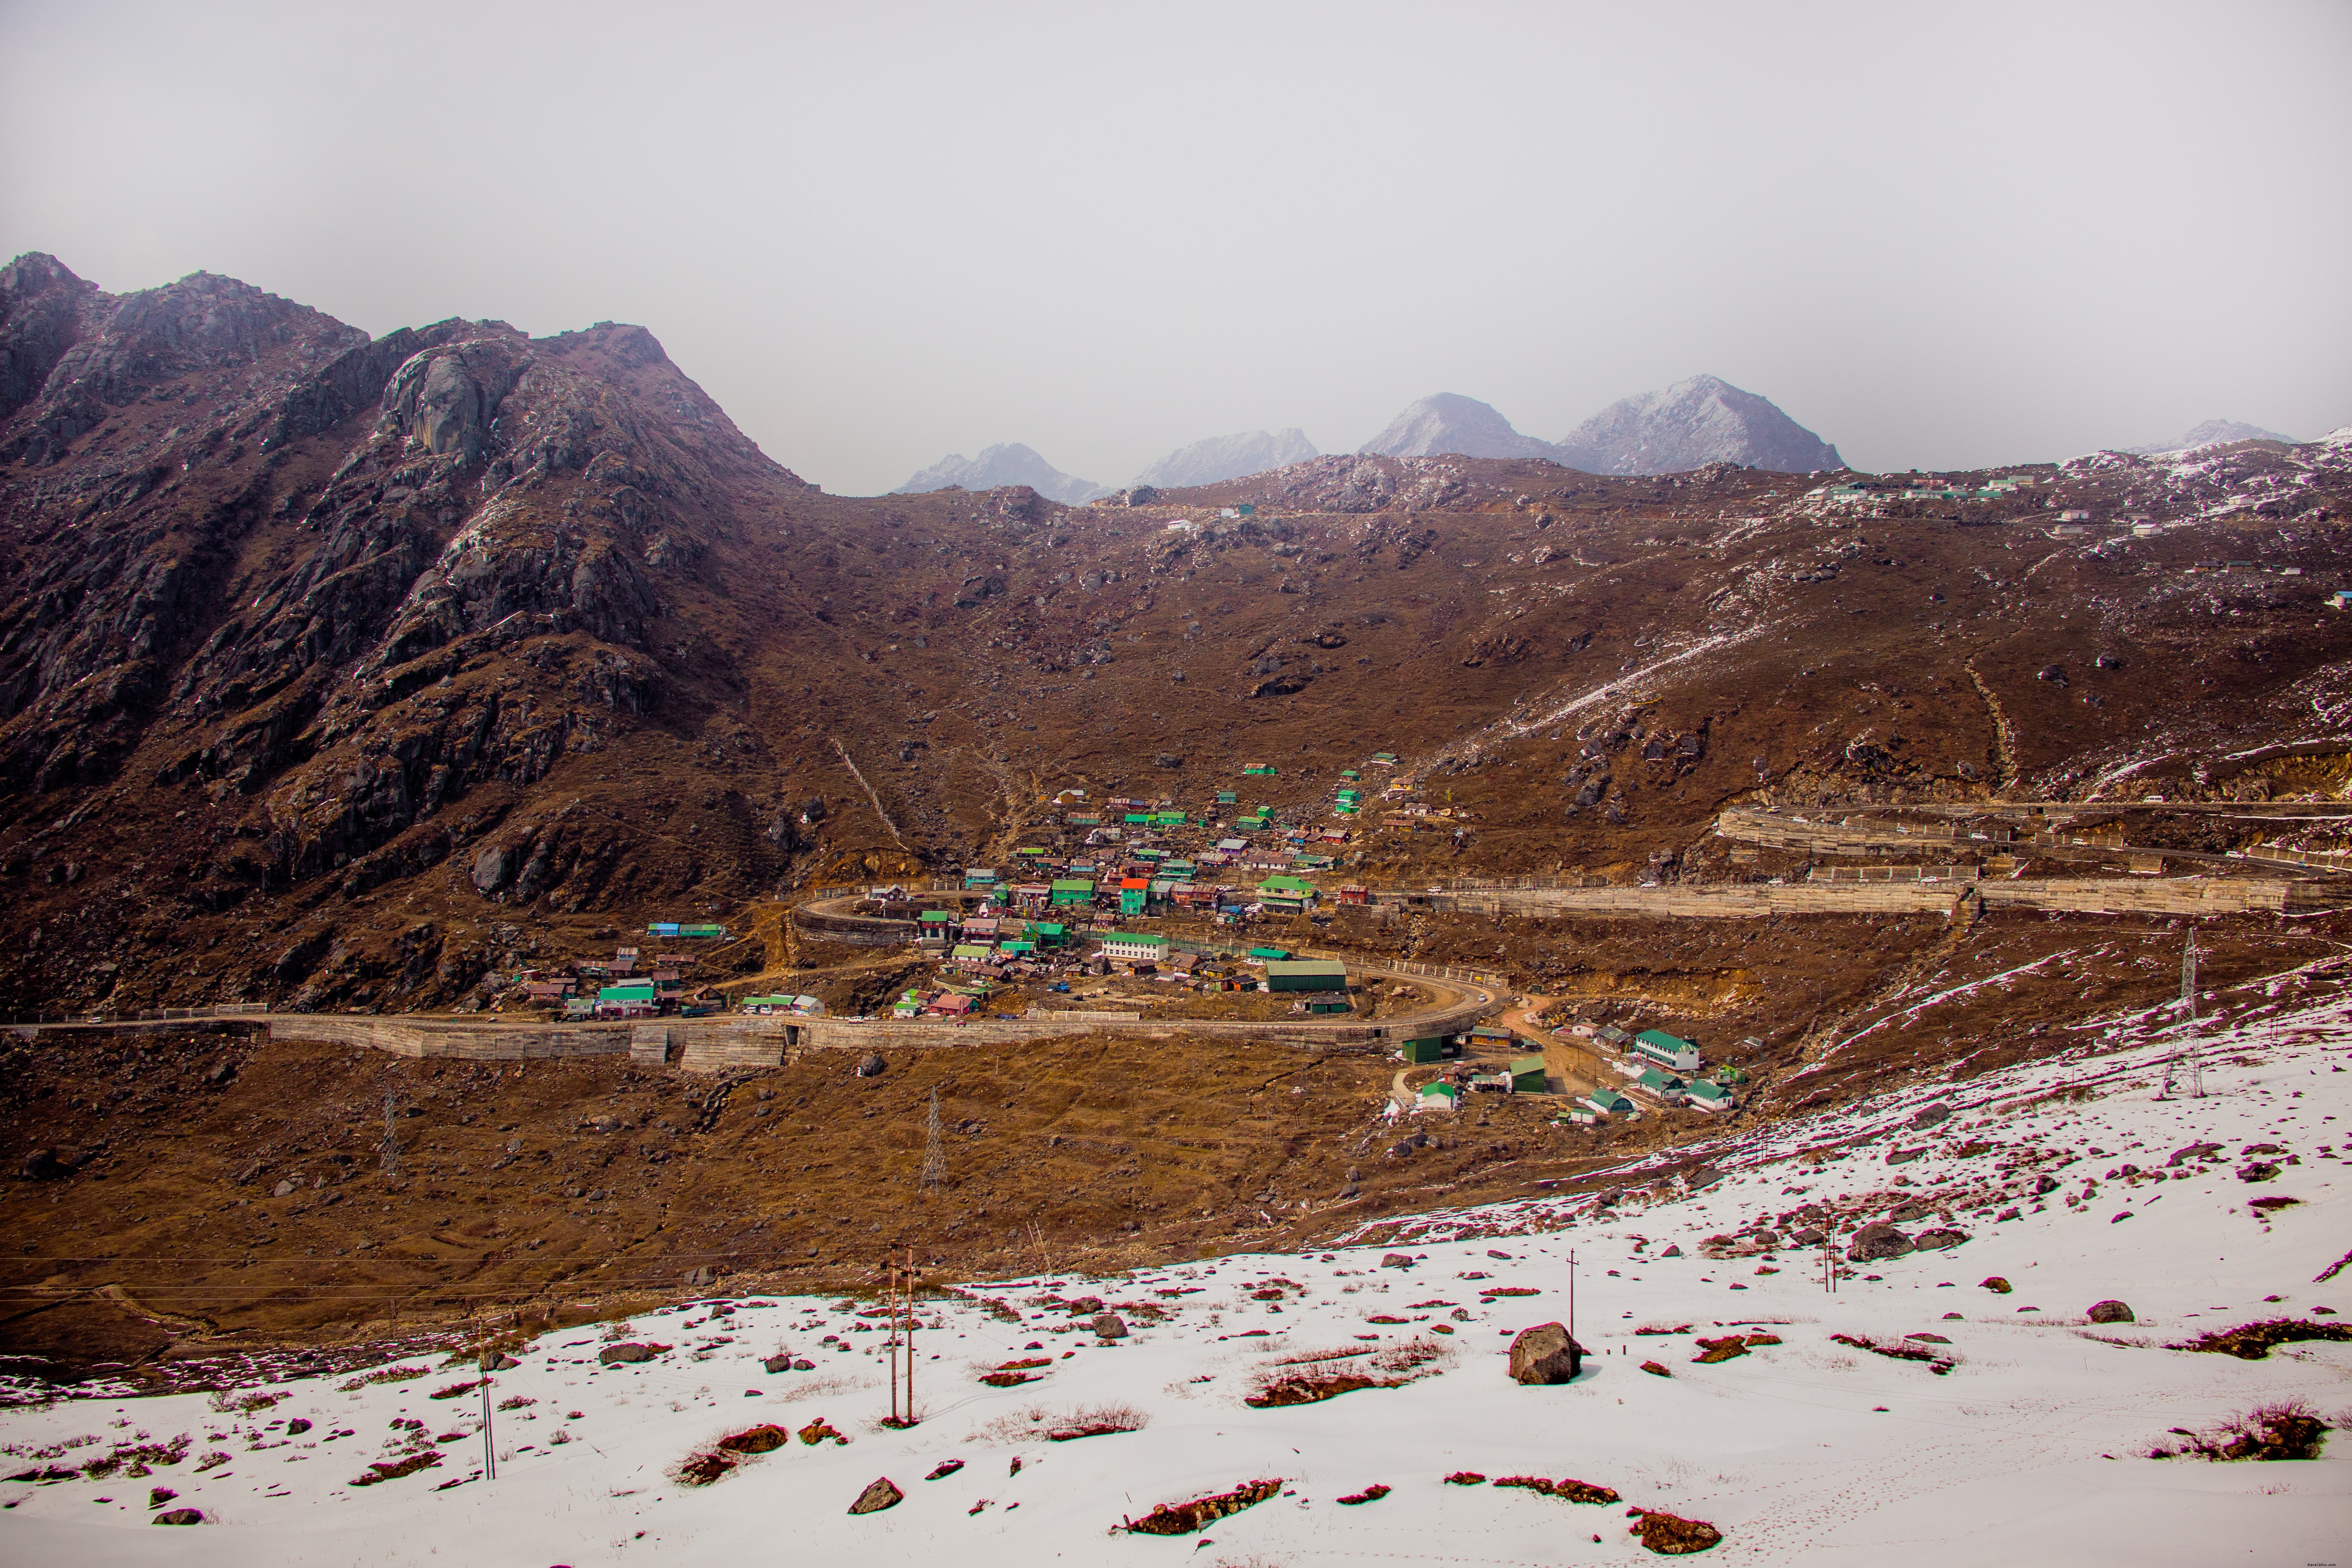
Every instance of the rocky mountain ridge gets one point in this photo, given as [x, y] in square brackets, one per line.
[339, 671]
[1008, 463]
[1687, 426]
[1223, 458]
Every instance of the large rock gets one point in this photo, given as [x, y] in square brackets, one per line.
[1937, 1240]
[1546, 1353]
[181, 1516]
[1930, 1115]
[1881, 1240]
[1110, 1325]
[2111, 1313]
[871, 1065]
[877, 1496]
[615, 1355]
[43, 1165]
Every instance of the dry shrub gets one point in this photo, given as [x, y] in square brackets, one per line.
[1568, 1490]
[457, 1389]
[703, 1467]
[1671, 1535]
[1372, 1493]
[1010, 1379]
[230, 1402]
[1663, 1329]
[1464, 1478]
[392, 1470]
[1313, 1379]
[1899, 1351]
[383, 1375]
[2252, 1341]
[2287, 1430]
[1037, 1421]
[1184, 1518]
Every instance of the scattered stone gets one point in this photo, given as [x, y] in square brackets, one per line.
[817, 1431]
[2258, 1171]
[158, 1496]
[1464, 1478]
[1546, 1355]
[181, 1516]
[297, 1426]
[1396, 1260]
[877, 1496]
[1654, 1370]
[1937, 1239]
[1369, 1494]
[1110, 1326]
[616, 1355]
[1877, 1241]
[1994, 1283]
[945, 1467]
[2111, 1313]
[43, 1165]
[2195, 1152]
[1931, 1115]
[765, 1438]
[777, 1363]
[1671, 1251]
[498, 1361]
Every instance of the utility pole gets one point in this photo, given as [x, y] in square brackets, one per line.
[935, 1156]
[1571, 1295]
[890, 1304]
[389, 1155]
[2193, 1067]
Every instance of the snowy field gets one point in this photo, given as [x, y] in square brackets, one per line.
[2029, 1445]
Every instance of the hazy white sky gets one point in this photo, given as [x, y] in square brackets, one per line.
[1936, 234]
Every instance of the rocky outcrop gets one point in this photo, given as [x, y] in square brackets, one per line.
[1690, 424]
[1544, 1354]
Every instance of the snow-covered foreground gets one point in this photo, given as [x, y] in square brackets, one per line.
[2029, 1449]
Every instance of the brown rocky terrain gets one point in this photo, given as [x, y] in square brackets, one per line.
[336, 671]
[340, 673]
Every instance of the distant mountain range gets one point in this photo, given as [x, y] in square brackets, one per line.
[1692, 423]
[2211, 433]
[1224, 458]
[1010, 463]
[1689, 425]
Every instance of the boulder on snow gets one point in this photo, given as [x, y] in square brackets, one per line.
[1877, 1241]
[1671, 1535]
[1937, 1240]
[1994, 1283]
[1930, 1115]
[1110, 1325]
[1546, 1355]
[181, 1516]
[2110, 1312]
[615, 1355]
[877, 1496]
[2258, 1171]
[1396, 1260]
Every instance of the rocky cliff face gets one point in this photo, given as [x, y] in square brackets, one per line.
[1449, 423]
[1689, 425]
[1224, 458]
[1008, 464]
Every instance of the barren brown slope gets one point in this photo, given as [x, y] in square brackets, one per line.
[336, 672]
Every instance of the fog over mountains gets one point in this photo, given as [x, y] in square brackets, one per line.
[1007, 463]
[1703, 420]
[1228, 458]
[1690, 424]
[2211, 433]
